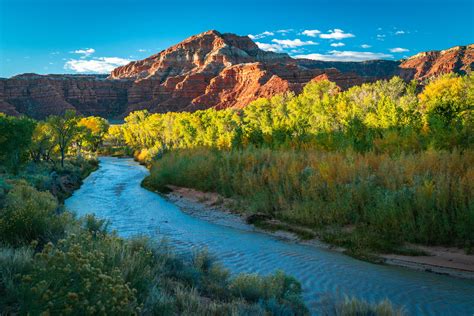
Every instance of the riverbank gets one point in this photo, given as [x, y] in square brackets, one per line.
[52, 262]
[61, 182]
[441, 260]
[114, 193]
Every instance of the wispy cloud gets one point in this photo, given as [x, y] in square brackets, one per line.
[95, 65]
[142, 50]
[284, 31]
[398, 50]
[287, 43]
[270, 47]
[311, 33]
[336, 55]
[365, 46]
[336, 34]
[381, 37]
[339, 44]
[399, 32]
[261, 35]
[84, 52]
[297, 51]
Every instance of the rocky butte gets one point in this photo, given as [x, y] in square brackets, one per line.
[209, 70]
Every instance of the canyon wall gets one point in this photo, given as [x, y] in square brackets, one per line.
[209, 70]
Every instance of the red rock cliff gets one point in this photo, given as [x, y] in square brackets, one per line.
[204, 71]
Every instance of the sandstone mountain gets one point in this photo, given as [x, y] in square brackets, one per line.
[209, 70]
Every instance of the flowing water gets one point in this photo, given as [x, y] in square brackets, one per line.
[114, 192]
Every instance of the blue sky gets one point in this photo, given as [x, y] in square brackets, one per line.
[72, 36]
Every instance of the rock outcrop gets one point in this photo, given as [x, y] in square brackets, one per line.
[39, 96]
[459, 59]
[209, 70]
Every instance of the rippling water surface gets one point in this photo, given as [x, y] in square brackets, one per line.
[114, 192]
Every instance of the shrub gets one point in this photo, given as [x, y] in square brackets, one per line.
[74, 277]
[270, 290]
[30, 215]
[355, 307]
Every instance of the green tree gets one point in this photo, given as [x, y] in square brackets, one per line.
[15, 138]
[96, 129]
[64, 129]
[42, 142]
[446, 98]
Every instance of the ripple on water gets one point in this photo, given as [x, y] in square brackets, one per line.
[114, 192]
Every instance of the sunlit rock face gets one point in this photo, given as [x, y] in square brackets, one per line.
[459, 59]
[208, 70]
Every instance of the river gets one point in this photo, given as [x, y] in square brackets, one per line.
[113, 192]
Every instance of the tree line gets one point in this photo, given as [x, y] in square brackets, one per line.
[24, 139]
[385, 116]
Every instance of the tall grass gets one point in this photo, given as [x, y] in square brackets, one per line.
[424, 197]
[351, 306]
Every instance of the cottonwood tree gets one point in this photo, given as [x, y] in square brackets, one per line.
[15, 138]
[42, 142]
[93, 131]
[64, 128]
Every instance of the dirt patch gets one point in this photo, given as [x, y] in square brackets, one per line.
[209, 199]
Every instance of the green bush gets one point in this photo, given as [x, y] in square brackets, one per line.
[280, 288]
[355, 307]
[29, 215]
[75, 277]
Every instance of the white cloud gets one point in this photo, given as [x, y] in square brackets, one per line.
[96, 65]
[365, 46]
[297, 51]
[293, 43]
[284, 31]
[338, 44]
[270, 47]
[381, 37]
[399, 32]
[398, 50]
[261, 35]
[84, 52]
[336, 55]
[142, 50]
[311, 33]
[336, 34]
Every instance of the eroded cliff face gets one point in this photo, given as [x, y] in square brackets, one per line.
[459, 59]
[39, 96]
[209, 70]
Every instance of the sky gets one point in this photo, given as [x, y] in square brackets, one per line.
[86, 36]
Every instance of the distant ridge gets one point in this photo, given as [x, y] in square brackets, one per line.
[208, 70]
